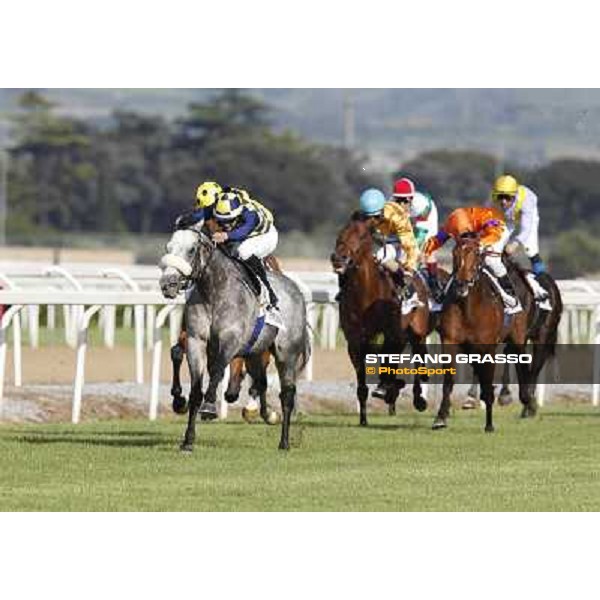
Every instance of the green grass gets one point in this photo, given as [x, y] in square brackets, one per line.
[397, 463]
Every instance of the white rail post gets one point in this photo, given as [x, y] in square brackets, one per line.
[109, 325]
[17, 360]
[161, 317]
[73, 314]
[150, 325]
[334, 324]
[82, 330]
[33, 314]
[138, 320]
[4, 324]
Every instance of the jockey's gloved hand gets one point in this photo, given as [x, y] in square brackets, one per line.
[537, 265]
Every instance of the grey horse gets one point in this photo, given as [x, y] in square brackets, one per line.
[222, 315]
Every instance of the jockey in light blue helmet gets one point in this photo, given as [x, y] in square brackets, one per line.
[372, 202]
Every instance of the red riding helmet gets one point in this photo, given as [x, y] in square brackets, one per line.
[404, 188]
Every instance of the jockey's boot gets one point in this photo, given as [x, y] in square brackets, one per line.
[407, 294]
[512, 304]
[257, 267]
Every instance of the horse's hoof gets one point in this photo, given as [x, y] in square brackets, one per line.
[187, 448]
[380, 393]
[180, 405]
[470, 404]
[362, 423]
[271, 418]
[420, 404]
[505, 398]
[439, 424]
[208, 411]
[284, 445]
[231, 398]
[249, 414]
[528, 412]
[489, 429]
[392, 409]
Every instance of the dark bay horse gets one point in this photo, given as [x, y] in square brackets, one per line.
[370, 309]
[542, 334]
[473, 321]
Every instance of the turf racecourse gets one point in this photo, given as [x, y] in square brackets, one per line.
[397, 463]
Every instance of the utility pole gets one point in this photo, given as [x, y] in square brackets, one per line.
[349, 120]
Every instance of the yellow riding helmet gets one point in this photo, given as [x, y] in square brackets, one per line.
[229, 206]
[505, 185]
[207, 194]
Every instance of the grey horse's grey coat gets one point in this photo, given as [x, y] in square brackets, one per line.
[221, 313]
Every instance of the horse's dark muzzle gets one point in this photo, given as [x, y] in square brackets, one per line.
[340, 264]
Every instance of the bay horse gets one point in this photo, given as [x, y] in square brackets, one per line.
[473, 320]
[369, 309]
[222, 317]
[542, 334]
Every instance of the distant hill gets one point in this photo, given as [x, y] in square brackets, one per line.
[526, 126]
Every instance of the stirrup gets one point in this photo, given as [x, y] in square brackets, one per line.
[513, 310]
[544, 304]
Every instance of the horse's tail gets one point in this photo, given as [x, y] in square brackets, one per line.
[306, 347]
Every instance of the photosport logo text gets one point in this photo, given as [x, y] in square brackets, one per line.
[569, 363]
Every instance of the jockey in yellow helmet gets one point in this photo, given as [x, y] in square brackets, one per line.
[520, 207]
[204, 205]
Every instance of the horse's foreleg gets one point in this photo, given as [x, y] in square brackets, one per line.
[441, 420]
[197, 364]
[486, 379]
[362, 391]
[474, 387]
[195, 400]
[216, 371]
[257, 369]
[179, 403]
[236, 376]
[419, 402]
[505, 397]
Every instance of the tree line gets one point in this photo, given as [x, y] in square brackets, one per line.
[136, 172]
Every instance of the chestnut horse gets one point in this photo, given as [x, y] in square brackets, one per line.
[370, 309]
[473, 321]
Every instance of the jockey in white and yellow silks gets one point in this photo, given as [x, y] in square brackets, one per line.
[520, 207]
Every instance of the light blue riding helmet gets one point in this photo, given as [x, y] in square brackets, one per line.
[372, 202]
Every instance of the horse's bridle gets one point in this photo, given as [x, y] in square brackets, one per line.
[463, 287]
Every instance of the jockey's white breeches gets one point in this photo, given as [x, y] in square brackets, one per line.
[494, 261]
[260, 245]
